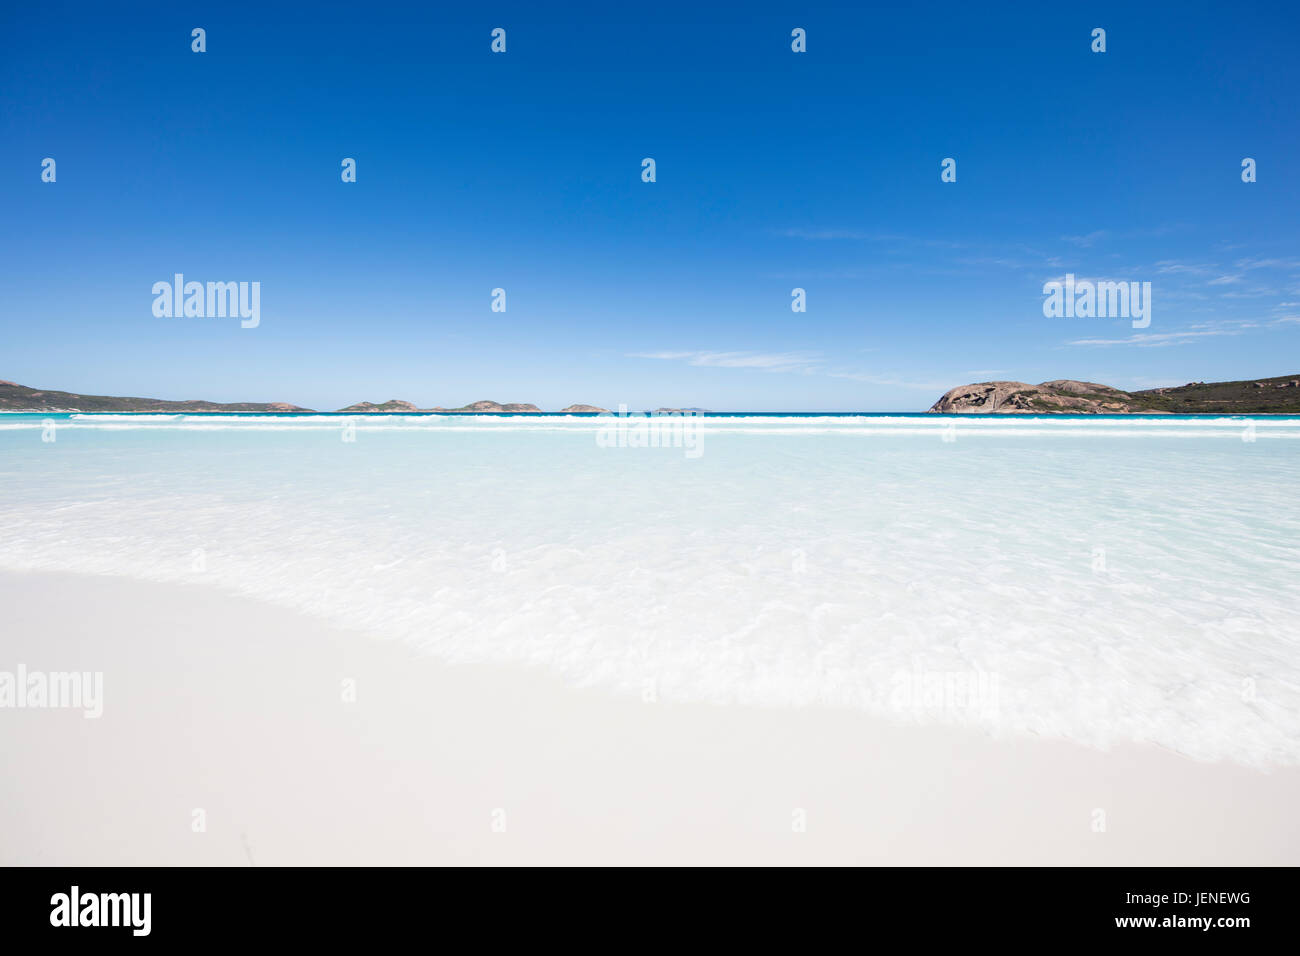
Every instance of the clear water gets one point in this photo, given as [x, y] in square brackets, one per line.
[1101, 579]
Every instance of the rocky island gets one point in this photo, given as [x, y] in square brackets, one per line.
[1250, 397]
[393, 405]
[492, 408]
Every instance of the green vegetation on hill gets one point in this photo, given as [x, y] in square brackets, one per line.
[1251, 397]
[20, 398]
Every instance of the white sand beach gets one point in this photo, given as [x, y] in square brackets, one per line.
[236, 708]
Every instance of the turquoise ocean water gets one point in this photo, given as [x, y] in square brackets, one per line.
[1096, 578]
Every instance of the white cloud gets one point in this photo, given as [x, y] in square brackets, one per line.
[765, 361]
[797, 362]
[1268, 263]
[800, 233]
[1150, 340]
[1087, 240]
[1170, 267]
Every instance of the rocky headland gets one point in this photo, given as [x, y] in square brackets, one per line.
[1279, 395]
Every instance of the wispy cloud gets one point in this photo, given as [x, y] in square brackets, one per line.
[802, 233]
[1003, 261]
[764, 361]
[1086, 240]
[1152, 340]
[1171, 267]
[866, 235]
[797, 362]
[1267, 263]
[1080, 280]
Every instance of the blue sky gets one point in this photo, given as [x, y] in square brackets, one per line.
[522, 171]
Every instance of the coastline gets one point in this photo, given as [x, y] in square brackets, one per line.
[233, 706]
[997, 397]
[425, 413]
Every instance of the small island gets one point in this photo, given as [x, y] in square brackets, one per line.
[1263, 396]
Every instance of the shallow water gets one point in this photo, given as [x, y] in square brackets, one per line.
[1093, 578]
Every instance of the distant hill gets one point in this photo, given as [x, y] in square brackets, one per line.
[480, 408]
[20, 398]
[1254, 396]
[486, 407]
[392, 405]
